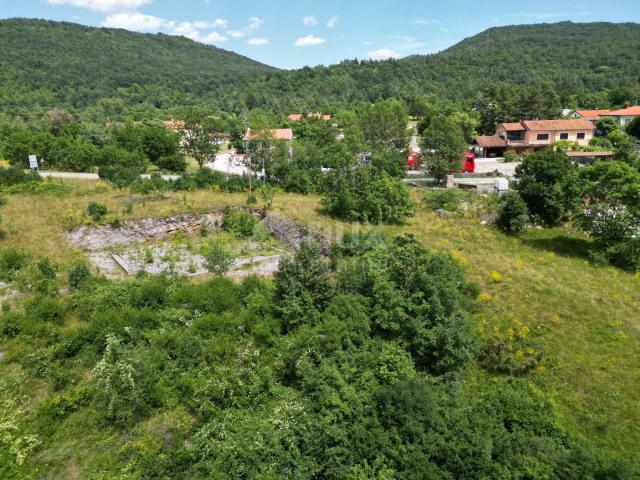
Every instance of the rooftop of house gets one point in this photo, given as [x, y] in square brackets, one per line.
[592, 113]
[299, 116]
[174, 124]
[513, 127]
[276, 134]
[548, 125]
[557, 125]
[491, 141]
[626, 112]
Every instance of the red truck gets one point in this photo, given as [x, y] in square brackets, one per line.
[469, 162]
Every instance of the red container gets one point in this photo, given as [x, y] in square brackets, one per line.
[469, 162]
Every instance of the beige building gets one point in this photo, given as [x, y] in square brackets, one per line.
[530, 136]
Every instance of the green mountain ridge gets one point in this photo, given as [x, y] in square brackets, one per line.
[58, 62]
[572, 58]
[117, 73]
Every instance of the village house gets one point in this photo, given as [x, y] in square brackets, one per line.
[174, 124]
[529, 136]
[592, 116]
[278, 134]
[625, 116]
[296, 117]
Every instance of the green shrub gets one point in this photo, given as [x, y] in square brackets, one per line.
[121, 177]
[16, 176]
[449, 200]
[11, 262]
[298, 181]
[239, 222]
[546, 182]
[365, 194]
[47, 268]
[97, 211]
[78, 275]
[260, 233]
[174, 163]
[513, 215]
[218, 259]
[46, 309]
[511, 157]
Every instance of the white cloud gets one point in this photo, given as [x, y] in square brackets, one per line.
[187, 28]
[254, 24]
[258, 41]
[219, 23]
[102, 5]
[332, 22]
[383, 54]
[213, 37]
[426, 22]
[134, 21]
[308, 41]
[310, 21]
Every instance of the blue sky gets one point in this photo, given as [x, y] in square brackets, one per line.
[294, 33]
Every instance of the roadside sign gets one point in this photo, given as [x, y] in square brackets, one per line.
[33, 162]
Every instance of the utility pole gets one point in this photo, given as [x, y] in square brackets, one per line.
[247, 138]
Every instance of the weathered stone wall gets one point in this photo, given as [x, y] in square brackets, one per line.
[293, 234]
[104, 236]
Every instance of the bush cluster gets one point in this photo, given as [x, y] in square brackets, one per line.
[239, 222]
[366, 194]
[357, 374]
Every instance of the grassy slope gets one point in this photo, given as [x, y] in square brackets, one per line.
[583, 317]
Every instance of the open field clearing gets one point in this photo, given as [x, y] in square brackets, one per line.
[584, 319]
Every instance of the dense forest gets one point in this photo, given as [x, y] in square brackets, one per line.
[120, 74]
[44, 63]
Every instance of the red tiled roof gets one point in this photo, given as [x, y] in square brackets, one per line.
[557, 125]
[298, 116]
[587, 114]
[174, 124]
[277, 134]
[626, 112]
[491, 141]
[513, 127]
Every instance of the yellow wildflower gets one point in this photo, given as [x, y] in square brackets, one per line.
[496, 276]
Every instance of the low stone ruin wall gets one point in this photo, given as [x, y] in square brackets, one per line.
[102, 237]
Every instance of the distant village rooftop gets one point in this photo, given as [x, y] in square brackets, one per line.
[277, 134]
[295, 117]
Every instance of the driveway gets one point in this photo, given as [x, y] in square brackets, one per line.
[490, 165]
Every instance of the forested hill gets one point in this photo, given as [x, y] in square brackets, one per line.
[571, 58]
[45, 62]
[119, 74]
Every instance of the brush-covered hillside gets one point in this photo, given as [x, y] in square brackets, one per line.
[45, 63]
[115, 73]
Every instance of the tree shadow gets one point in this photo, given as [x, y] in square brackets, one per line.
[563, 245]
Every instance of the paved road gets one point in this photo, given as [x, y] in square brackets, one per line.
[92, 176]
